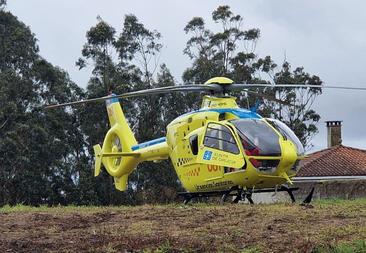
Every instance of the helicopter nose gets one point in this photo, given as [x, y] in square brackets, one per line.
[289, 157]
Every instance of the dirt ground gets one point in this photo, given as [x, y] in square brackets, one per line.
[178, 228]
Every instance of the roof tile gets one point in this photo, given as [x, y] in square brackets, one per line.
[335, 161]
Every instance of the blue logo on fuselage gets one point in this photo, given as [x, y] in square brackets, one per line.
[207, 155]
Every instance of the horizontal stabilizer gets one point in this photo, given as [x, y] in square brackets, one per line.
[119, 154]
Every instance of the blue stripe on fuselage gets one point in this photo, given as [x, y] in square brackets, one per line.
[238, 112]
[148, 143]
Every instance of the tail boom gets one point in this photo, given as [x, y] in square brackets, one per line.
[128, 161]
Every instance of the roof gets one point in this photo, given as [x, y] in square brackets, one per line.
[335, 161]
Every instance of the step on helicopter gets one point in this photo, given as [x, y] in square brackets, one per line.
[218, 150]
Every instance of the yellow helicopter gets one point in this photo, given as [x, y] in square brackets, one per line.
[220, 149]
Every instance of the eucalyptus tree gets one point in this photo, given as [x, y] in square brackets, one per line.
[2, 4]
[124, 62]
[39, 149]
[230, 51]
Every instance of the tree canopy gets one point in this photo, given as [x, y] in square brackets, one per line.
[39, 149]
[2, 4]
[121, 63]
[230, 51]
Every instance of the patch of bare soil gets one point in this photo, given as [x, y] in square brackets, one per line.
[228, 228]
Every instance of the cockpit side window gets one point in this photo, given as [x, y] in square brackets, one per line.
[219, 137]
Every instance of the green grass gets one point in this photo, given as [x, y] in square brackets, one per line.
[358, 246]
[331, 226]
[337, 201]
[254, 249]
[72, 208]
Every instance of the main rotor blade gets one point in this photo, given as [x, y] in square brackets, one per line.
[268, 97]
[78, 102]
[161, 90]
[239, 86]
[216, 88]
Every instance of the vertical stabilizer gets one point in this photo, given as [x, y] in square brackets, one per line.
[116, 116]
[116, 154]
[120, 153]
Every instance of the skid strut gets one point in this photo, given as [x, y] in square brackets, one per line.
[242, 194]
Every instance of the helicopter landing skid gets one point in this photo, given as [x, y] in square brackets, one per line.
[239, 194]
[188, 196]
[242, 195]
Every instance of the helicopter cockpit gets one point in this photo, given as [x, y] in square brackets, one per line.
[260, 140]
[257, 137]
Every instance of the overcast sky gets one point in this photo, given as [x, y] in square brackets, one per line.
[327, 38]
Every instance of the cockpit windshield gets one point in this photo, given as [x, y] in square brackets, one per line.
[288, 134]
[257, 137]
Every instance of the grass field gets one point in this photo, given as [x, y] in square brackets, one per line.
[328, 226]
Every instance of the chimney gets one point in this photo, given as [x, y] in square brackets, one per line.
[334, 129]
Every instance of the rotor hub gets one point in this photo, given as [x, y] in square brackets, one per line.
[220, 80]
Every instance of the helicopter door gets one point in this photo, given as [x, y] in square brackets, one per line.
[219, 146]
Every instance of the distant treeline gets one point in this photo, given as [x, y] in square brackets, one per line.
[46, 156]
